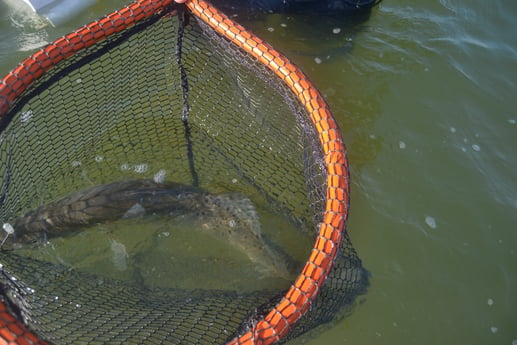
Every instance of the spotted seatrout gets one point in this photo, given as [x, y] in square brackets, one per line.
[231, 217]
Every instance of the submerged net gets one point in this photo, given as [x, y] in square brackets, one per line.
[146, 112]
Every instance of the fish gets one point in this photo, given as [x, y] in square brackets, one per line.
[231, 217]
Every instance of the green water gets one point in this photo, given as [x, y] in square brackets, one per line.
[424, 92]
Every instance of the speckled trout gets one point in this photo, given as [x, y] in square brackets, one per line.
[231, 217]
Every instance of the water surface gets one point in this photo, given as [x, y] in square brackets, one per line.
[424, 92]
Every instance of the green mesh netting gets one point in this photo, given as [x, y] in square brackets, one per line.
[129, 108]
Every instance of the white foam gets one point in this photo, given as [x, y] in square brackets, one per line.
[31, 41]
[159, 177]
[26, 116]
[140, 168]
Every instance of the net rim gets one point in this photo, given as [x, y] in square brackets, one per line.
[305, 289]
[299, 297]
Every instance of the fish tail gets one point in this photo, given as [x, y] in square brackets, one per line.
[244, 231]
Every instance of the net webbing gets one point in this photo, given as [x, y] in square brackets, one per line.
[105, 103]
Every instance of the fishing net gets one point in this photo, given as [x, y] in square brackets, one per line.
[149, 114]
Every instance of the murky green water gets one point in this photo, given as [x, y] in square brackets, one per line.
[424, 92]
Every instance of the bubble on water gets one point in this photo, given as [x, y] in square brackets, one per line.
[125, 167]
[284, 25]
[317, 60]
[493, 329]
[78, 80]
[431, 222]
[514, 342]
[452, 129]
[336, 30]
[512, 121]
[464, 149]
[270, 29]
[99, 158]
[232, 223]
[159, 177]
[402, 145]
[234, 180]
[490, 302]
[140, 168]
[76, 163]
[476, 147]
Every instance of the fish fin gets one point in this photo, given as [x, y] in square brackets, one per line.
[134, 211]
